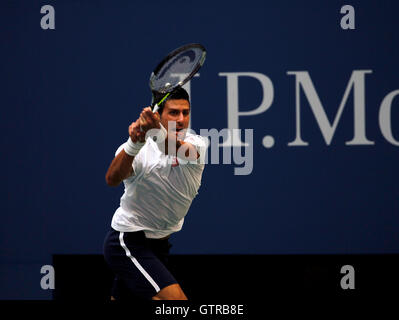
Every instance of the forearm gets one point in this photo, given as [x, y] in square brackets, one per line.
[121, 166]
[119, 169]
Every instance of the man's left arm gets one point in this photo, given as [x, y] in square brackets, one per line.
[186, 150]
[193, 149]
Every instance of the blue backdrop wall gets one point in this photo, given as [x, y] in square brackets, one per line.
[324, 180]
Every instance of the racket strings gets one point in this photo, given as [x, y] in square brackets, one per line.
[177, 70]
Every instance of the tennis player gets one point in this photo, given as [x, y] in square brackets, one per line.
[161, 173]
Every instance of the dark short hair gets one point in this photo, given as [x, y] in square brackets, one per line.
[178, 93]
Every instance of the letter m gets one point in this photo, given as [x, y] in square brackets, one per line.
[357, 82]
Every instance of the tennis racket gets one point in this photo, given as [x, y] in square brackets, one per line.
[175, 70]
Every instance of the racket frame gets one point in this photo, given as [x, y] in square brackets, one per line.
[155, 106]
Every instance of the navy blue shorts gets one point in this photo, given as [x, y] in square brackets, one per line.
[139, 264]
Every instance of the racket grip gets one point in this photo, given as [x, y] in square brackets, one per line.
[156, 108]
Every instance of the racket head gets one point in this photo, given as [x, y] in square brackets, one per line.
[184, 61]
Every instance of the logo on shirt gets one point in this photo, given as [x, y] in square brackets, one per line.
[175, 162]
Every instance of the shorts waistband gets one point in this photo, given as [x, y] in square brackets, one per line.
[141, 235]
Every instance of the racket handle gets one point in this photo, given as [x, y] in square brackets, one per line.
[156, 108]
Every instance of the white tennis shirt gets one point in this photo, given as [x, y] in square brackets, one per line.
[159, 193]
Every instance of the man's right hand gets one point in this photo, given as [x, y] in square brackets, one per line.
[147, 121]
[135, 133]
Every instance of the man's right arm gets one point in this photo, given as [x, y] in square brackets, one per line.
[121, 166]
[119, 169]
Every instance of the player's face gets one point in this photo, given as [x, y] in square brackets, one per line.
[177, 110]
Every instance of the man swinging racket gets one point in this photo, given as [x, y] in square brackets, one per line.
[161, 167]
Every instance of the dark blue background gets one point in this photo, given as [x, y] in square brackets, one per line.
[68, 95]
